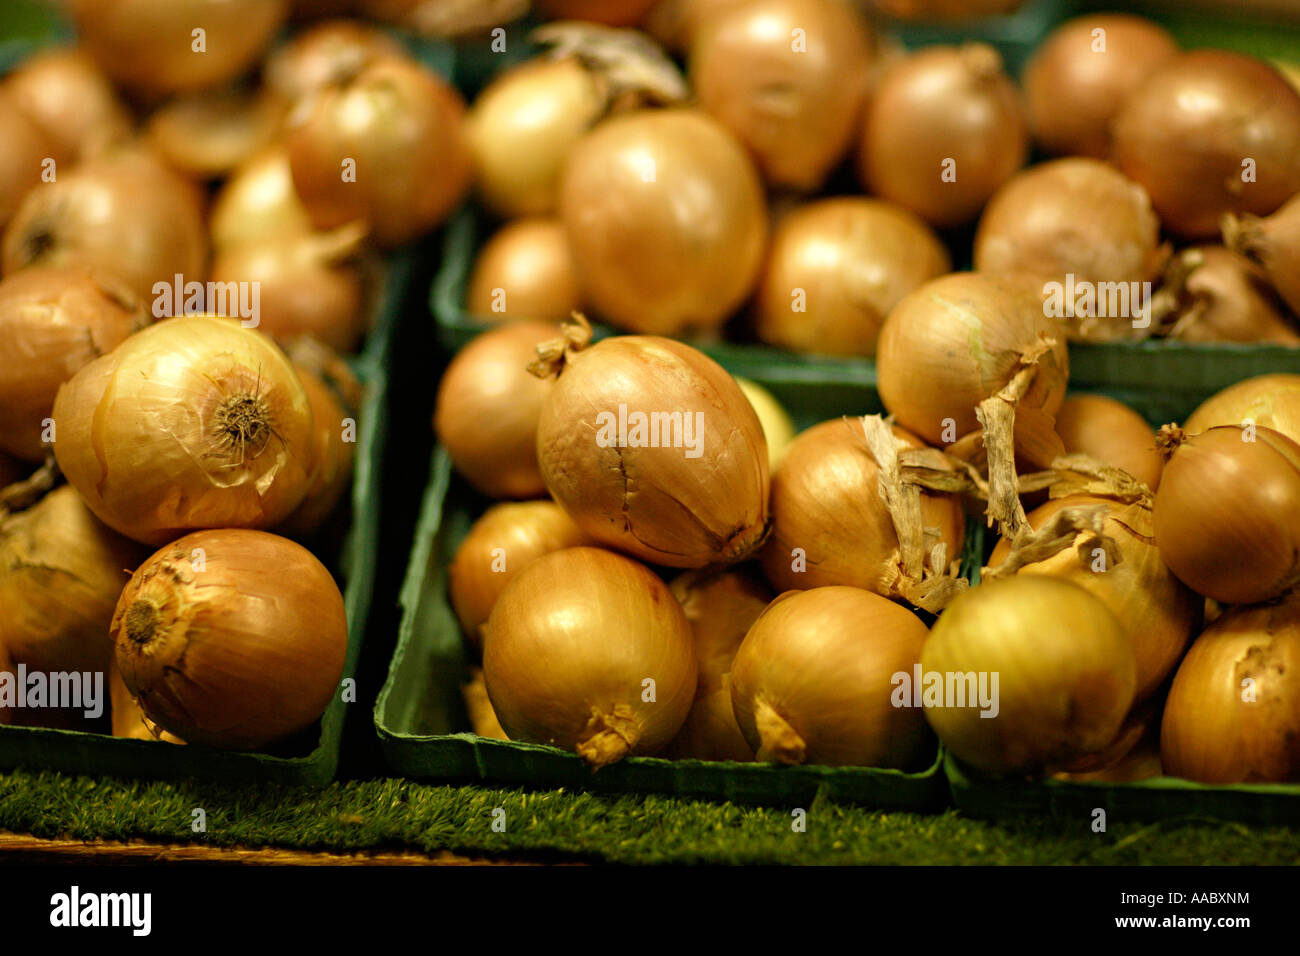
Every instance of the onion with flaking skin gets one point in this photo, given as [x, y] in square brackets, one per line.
[21, 161]
[1112, 433]
[555, 677]
[323, 54]
[835, 269]
[191, 423]
[525, 271]
[231, 638]
[1271, 401]
[1225, 297]
[1273, 242]
[72, 101]
[258, 203]
[488, 408]
[814, 678]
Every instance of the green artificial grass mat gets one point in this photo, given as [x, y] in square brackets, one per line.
[390, 814]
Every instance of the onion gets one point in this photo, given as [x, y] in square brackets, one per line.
[326, 54]
[812, 681]
[258, 203]
[500, 544]
[383, 145]
[126, 214]
[52, 322]
[1233, 714]
[652, 448]
[23, 157]
[64, 93]
[482, 718]
[1272, 401]
[646, 260]
[1274, 243]
[830, 525]
[614, 13]
[1077, 79]
[220, 652]
[1227, 298]
[149, 46]
[488, 408]
[1188, 132]
[192, 423]
[674, 23]
[721, 607]
[61, 572]
[129, 720]
[555, 677]
[207, 135]
[1227, 515]
[1064, 669]
[525, 271]
[942, 132]
[1112, 433]
[794, 104]
[778, 428]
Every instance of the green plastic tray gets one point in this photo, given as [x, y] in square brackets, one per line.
[91, 753]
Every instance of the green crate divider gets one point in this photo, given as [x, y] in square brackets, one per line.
[90, 753]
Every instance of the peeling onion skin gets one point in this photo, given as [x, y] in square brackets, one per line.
[676, 255]
[821, 662]
[1185, 134]
[554, 675]
[1073, 90]
[855, 259]
[529, 261]
[1112, 433]
[1270, 401]
[191, 423]
[26, 148]
[1232, 301]
[655, 503]
[127, 717]
[1274, 243]
[238, 652]
[1211, 733]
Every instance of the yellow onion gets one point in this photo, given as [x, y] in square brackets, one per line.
[1227, 515]
[1229, 299]
[1064, 669]
[125, 214]
[721, 606]
[150, 47]
[829, 524]
[1233, 714]
[1112, 433]
[23, 157]
[1189, 131]
[778, 428]
[488, 408]
[500, 544]
[1158, 613]
[1274, 243]
[128, 719]
[384, 145]
[258, 203]
[813, 681]
[674, 23]
[835, 269]
[72, 101]
[206, 135]
[231, 638]
[794, 99]
[524, 271]
[61, 572]
[52, 322]
[1272, 401]
[943, 131]
[325, 54]
[614, 13]
[958, 340]
[647, 260]
[1077, 80]
[554, 675]
[652, 448]
[482, 718]
[192, 423]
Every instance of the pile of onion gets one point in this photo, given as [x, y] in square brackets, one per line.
[555, 677]
[1270, 401]
[231, 638]
[814, 681]
[1225, 297]
[835, 269]
[1274, 243]
[72, 101]
[1112, 433]
[524, 271]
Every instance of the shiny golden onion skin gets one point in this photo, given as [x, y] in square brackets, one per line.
[72, 101]
[1270, 401]
[525, 271]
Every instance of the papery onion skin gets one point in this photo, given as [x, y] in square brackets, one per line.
[1231, 300]
[1073, 88]
[525, 271]
[614, 13]
[1185, 134]
[1112, 433]
[1066, 673]
[61, 572]
[1233, 713]
[333, 452]
[72, 101]
[128, 719]
[778, 427]
[1272, 401]
[324, 54]
[826, 504]
[794, 104]
[500, 544]
[822, 663]
[488, 409]
[1227, 514]
[656, 503]
[646, 261]
[148, 46]
[835, 269]
[21, 161]
[258, 203]
[554, 676]
[207, 135]
[1274, 243]
[191, 423]
[52, 322]
[939, 105]
[231, 638]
